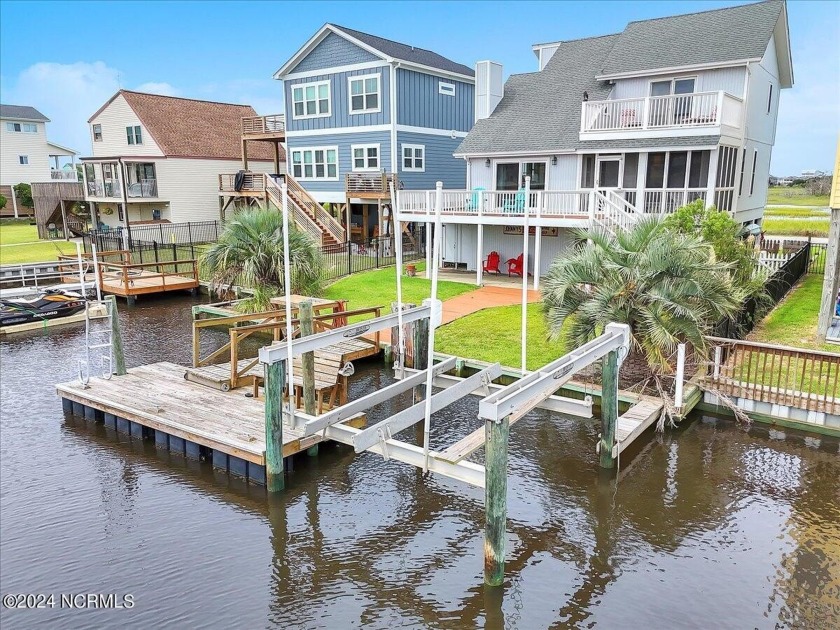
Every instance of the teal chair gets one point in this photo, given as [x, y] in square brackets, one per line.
[517, 204]
[474, 200]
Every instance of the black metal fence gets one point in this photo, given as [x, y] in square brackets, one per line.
[816, 262]
[374, 253]
[807, 259]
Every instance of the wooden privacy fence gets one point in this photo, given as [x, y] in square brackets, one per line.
[805, 379]
[273, 322]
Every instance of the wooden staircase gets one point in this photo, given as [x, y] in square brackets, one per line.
[308, 214]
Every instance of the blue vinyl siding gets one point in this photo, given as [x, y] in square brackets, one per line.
[333, 51]
[419, 104]
[340, 102]
[440, 165]
[343, 141]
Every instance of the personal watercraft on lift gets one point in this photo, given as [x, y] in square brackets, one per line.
[48, 304]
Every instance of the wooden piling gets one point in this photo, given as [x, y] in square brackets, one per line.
[419, 359]
[307, 361]
[275, 375]
[609, 408]
[116, 338]
[495, 499]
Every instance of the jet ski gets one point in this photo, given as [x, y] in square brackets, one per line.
[48, 304]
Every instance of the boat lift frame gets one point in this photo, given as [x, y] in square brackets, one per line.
[498, 409]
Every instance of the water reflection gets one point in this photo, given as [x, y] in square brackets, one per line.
[747, 518]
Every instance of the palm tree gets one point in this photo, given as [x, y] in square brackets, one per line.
[249, 253]
[667, 287]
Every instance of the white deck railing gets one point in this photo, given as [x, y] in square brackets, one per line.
[699, 109]
[65, 175]
[666, 200]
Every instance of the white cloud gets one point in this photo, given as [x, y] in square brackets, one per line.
[67, 94]
[163, 88]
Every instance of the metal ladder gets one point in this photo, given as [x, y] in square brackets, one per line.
[98, 337]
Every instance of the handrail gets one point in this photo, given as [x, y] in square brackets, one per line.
[251, 182]
[273, 123]
[794, 377]
[332, 226]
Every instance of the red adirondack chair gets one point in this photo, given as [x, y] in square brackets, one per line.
[492, 263]
[515, 265]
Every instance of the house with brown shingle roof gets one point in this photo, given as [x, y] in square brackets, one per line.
[158, 158]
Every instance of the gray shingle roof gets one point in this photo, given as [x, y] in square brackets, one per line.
[717, 36]
[407, 53]
[540, 111]
[22, 112]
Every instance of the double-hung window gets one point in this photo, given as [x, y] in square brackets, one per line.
[315, 163]
[97, 133]
[365, 157]
[364, 94]
[133, 134]
[23, 159]
[414, 157]
[311, 100]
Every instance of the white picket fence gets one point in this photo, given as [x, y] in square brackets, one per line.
[774, 261]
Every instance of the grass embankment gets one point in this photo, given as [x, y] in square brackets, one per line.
[794, 320]
[495, 334]
[19, 244]
[379, 288]
[799, 213]
[789, 196]
[785, 226]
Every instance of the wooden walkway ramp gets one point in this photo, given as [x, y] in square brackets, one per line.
[185, 417]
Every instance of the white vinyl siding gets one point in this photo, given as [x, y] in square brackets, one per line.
[315, 163]
[365, 157]
[29, 145]
[365, 94]
[112, 123]
[414, 158]
[311, 100]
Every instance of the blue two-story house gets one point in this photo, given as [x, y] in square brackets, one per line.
[363, 111]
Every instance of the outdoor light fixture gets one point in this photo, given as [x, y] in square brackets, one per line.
[487, 162]
[554, 160]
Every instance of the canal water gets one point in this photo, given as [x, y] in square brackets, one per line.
[710, 525]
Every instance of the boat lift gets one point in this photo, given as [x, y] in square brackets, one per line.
[499, 409]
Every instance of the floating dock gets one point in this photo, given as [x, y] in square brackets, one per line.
[156, 402]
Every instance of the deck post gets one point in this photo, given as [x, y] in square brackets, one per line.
[274, 378]
[307, 361]
[609, 408]
[495, 499]
[831, 282]
[116, 337]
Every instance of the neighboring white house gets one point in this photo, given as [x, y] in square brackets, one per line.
[158, 158]
[613, 127]
[26, 155]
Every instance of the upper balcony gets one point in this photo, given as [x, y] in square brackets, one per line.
[271, 127]
[370, 185]
[675, 115]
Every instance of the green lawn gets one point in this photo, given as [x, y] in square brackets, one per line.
[795, 212]
[779, 226]
[379, 288]
[794, 321]
[14, 231]
[788, 196]
[495, 334]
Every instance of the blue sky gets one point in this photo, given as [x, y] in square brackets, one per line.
[199, 50]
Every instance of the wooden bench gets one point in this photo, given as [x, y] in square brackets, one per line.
[330, 385]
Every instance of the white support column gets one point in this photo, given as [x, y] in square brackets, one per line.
[479, 243]
[640, 182]
[712, 182]
[14, 200]
[526, 238]
[538, 241]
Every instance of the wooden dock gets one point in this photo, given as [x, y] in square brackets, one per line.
[156, 402]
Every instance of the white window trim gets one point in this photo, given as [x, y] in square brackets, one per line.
[362, 77]
[752, 176]
[673, 79]
[365, 147]
[447, 89]
[303, 86]
[23, 160]
[93, 132]
[413, 147]
[303, 178]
